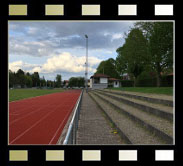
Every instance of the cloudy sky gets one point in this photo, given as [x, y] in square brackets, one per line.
[53, 48]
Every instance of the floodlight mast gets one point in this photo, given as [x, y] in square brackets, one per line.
[86, 67]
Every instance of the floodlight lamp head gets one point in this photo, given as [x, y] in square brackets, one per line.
[86, 36]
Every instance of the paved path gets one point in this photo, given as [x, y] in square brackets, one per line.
[93, 127]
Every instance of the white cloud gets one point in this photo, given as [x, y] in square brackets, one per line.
[14, 66]
[66, 62]
[62, 63]
[116, 36]
[34, 43]
[32, 30]
[108, 52]
[30, 48]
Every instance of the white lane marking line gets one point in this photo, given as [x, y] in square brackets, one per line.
[33, 100]
[29, 128]
[72, 107]
[32, 126]
[21, 111]
[30, 113]
[58, 128]
[27, 115]
[14, 114]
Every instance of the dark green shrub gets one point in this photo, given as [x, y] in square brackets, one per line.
[127, 83]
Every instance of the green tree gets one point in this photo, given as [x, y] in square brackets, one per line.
[76, 82]
[81, 81]
[161, 48]
[72, 82]
[28, 81]
[160, 42]
[43, 81]
[12, 79]
[121, 61]
[49, 83]
[35, 79]
[133, 55]
[108, 67]
[58, 80]
[20, 76]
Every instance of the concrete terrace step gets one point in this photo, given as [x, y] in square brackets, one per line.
[161, 127]
[154, 98]
[131, 131]
[165, 112]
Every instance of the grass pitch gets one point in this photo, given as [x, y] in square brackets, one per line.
[18, 94]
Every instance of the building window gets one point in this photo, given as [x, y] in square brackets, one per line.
[96, 80]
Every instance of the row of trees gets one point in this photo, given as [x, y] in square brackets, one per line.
[148, 48]
[76, 82]
[23, 79]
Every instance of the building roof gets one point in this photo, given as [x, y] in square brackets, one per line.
[113, 79]
[99, 76]
[170, 74]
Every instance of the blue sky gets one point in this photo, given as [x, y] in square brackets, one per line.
[58, 47]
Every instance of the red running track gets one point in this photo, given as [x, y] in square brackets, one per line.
[40, 120]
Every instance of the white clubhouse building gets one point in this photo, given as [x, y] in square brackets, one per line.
[101, 81]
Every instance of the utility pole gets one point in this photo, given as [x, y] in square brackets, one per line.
[86, 69]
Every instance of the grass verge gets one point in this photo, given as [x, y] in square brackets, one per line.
[154, 90]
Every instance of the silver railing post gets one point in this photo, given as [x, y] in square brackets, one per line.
[73, 126]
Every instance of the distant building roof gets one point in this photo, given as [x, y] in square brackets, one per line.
[125, 74]
[99, 76]
[171, 74]
[167, 74]
[113, 79]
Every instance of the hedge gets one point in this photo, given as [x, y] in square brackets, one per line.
[166, 81]
[127, 83]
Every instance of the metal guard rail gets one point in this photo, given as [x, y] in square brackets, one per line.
[71, 133]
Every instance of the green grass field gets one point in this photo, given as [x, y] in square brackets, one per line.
[18, 94]
[156, 90]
